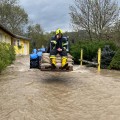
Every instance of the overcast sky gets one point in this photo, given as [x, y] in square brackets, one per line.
[50, 14]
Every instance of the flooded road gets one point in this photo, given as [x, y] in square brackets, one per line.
[83, 94]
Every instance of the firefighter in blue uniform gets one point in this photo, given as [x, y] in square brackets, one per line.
[59, 45]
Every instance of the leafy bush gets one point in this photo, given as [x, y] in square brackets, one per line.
[7, 55]
[11, 53]
[89, 49]
[106, 56]
[2, 65]
[115, 63]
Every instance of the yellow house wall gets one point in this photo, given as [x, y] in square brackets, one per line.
[5, 37]
[8, 39]
[28, 47]
[22, 50]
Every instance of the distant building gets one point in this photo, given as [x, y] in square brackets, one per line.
[20, 43]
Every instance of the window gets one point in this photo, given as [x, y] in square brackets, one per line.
[18, 42]
[0, 37]
[13, 42]
[5, 38]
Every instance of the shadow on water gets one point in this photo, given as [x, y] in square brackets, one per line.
[55, 80]
[58, 79]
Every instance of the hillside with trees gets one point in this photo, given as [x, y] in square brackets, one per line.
[100, 23]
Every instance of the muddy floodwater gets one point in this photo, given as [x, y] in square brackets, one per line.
[83, 94]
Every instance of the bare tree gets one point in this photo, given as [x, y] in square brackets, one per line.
[94, 15]
[115, 32]
[12, 16]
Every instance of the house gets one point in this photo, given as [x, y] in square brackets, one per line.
[20, 43]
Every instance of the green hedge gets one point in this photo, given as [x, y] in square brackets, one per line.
[115, 63]
[90, 49]
[7, 55]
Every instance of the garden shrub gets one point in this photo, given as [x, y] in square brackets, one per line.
[115, 63]
[106, 56]
[89, 49]
[7, 55]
